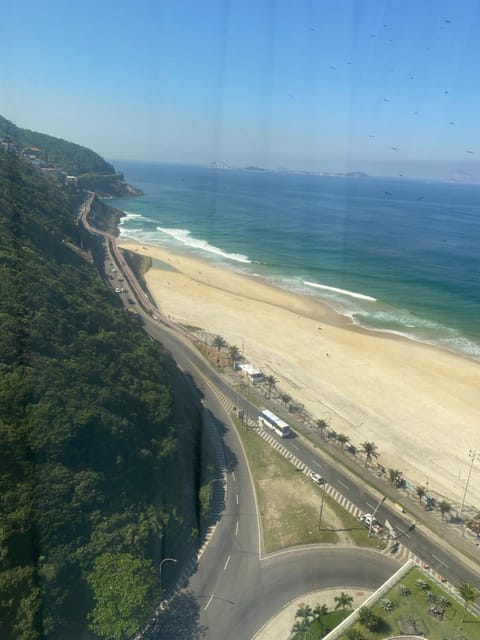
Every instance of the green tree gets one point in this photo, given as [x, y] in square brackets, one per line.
[301, 629]
[354, 634]
[233, 354]
[304, 611]
[285, 398]
[469, 594]
[322, 426]
[421, 492]
[445, 507]
[122, 586]
[367, 617]
[319, 613]
[370, 450]
[394, 475]
[219, 343]
[343, 601]
[343, 439]
[271, 382]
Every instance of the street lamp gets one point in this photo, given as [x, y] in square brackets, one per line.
[474, 456]
[160, 568]
[380, 502]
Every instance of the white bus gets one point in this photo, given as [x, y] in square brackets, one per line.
[269, 419]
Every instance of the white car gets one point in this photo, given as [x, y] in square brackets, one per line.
[369, 522]
[117, 290]
[317, 478]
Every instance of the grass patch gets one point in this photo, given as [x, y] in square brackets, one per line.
[411, 613]
[290, 503]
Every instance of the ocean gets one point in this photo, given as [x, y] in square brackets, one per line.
[395, 255]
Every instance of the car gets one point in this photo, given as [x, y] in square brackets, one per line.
[131, 301]
[369, 522]
[117, 290]
[317, 478]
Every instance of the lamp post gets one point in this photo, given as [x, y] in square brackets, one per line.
[321, 505]
[474, 455]
[380, 502]
[160, 568]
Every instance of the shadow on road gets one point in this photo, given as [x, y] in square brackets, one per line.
[179, 621]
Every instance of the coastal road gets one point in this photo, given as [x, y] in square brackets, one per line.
[236, 589]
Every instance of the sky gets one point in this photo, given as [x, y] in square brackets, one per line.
[317, 85]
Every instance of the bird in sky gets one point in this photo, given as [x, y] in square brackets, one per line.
[386, 99]
[387, 193]
[371, 135]
[468, 151]
[333, 68]
[451, 123]
[448, 21]
[420, 197]
[394, 148]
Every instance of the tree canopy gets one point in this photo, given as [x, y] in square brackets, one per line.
[89, 436]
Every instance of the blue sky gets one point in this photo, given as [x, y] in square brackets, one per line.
[307, 84]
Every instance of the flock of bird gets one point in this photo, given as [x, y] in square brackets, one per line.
[371, 136]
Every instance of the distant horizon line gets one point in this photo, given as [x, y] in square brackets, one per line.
[305, 172]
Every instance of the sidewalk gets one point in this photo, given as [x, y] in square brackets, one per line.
[280, 626]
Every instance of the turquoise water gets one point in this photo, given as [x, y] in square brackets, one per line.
[395, 255]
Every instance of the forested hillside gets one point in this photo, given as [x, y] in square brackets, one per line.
[92, 446]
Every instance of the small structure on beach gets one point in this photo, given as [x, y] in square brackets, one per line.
[253, 374]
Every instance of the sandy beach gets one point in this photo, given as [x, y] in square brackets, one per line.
[419, 404]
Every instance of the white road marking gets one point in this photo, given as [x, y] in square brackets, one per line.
[438, 560]
[236, 497]
[317, 463]
[233, 475]
[208, 603]
[236, 529]
[344, 485]
[226, 563]
[369, 505]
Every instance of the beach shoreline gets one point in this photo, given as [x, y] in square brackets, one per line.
[416, 401]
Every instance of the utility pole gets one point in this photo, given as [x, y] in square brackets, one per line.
[380, 502]
[474, 456]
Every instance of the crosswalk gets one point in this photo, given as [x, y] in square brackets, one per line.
[402, 554]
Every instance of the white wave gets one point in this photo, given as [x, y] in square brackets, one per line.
[129, 216]
[345, 292]
[184, 236]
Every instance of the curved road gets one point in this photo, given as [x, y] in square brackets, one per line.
[235, 589]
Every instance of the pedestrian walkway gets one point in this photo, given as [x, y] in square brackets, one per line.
[280, 626]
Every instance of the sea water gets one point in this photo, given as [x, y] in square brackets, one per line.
[395, 255]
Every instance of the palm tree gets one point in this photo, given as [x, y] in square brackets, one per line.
[304, 611]
[421, 492]
[469, 594]
[271, 382]
[370, 451]
[285, 398]
[219, 342]
[367, 618]
[320, 611]
[301, 628]
[322, 425]
[343, 439]
[344, 601]
[234, 354]
[394, 474]
[445, 507]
